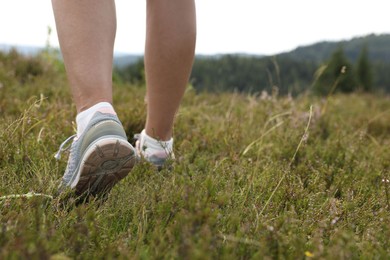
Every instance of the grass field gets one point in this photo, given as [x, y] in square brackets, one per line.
[255, 177]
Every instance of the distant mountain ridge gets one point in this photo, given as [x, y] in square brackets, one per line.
[378, 49]
[378, 46]
[120, 59]
[292, 72]
[22, 49]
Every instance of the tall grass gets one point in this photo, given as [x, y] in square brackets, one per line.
[255, 177]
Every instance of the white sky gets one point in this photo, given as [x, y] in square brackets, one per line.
[224, 26]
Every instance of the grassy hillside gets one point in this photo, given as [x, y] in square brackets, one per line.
[255, 177]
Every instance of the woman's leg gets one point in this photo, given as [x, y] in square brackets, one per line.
[100, 156]
[86, 31]
[169, 54]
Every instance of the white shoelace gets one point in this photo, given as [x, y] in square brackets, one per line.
[62, 149]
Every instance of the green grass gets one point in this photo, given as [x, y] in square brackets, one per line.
[249, 181]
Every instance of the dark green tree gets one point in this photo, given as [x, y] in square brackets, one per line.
[364, 71]
[338, 76]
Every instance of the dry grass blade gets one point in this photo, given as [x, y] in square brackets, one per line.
[304, 137]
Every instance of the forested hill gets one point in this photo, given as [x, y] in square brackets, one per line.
[366, 61]
[378, 46]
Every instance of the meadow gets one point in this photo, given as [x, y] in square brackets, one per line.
[256, 177]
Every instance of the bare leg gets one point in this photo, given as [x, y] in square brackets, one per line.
[86, 31]
[169, 54]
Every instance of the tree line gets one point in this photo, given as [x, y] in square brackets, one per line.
[290, 76]
[359, 64]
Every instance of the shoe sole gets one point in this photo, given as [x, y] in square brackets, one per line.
[105, 162]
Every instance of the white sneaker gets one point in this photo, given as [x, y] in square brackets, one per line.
[99, 158]
[154, 151]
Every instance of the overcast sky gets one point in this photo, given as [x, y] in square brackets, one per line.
[224, 26]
